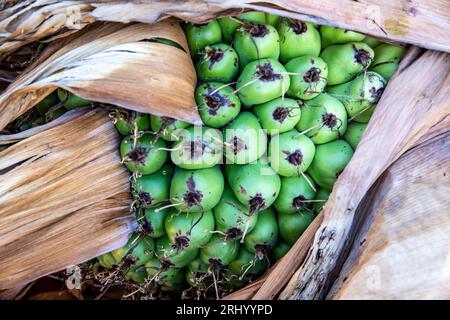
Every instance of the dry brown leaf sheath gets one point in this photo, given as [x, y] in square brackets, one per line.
[64, 197]
[112, 63]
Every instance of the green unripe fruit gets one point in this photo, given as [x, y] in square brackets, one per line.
[152, 221]
[125, 121]
[291, 153]
[38, 121]
[197, 148]
[265, 234]
[311, 78]
[248, 266]
[146, 157]
[167, 127]
[200, 36]
[189, 230]
[196, 190]
[297, 38]
[55, 114]
[345, 61]
[278, 115]
[354, 133]
[136, 274]
[360, 94]
[107, 260]
[138, 250]
[167, 277]
[324, 119]
[45, 104]
[219, 252]
[254, 41]
[294, 194]
[245, 141]
[152, 189]
[262, 81]
[197, 274]
[72, 101]
[332, 35]
[217, 104]
[330, 160]
[217, 62]
[321, 197]
[272, 19]
[171, 255]
[387, 58]
[371, 41]
[280, 249]
[232, 217]
[293, 225]
[229, 26]
[255, 185]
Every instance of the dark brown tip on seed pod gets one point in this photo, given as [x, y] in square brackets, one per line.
[299, 27]
[362, 57]
[233, 234]
[299, 203]
[138, 155]
[312, 75]
[215, 264]
[214, 55]
[180, 242]
[256, 30]
[145, 198]
[376, 94]
[128, 115]
[329, 120]
[147, 227]
[165, 265]
[192, 197]
[266, 72]
[295, 158]
[261, 250]
[280, 114]
[256, 203]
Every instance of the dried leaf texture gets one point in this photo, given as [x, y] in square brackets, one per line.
[423, 23]
[112, 63]
[64, 198]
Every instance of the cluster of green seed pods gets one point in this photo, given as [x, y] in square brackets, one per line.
[284, 104]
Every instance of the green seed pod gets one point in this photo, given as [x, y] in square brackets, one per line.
[387, 58]
[330, 160]
[294, 194]
[55, 114]
[197, 274]
[311, 78]
[321, 195]
[278, 115]
[167, 127]
[125, 121]
[217, 62]
[324, 119]
[265, 234]
[280, 249]
[354, 133]
[72, 101]
[232, 217]
[360, 94]
[138, 250]
[107, 260]
[371, 41]
[332, 35]
[262, 81]
[166, 277]
[229, 26]
[293, 225]
[136, 274]
[297, 38]
[197, 148]
[202, 35]
[248, 266]
[150, 190]
[272, 19]
[189, 230]
[38, 122]
[152, 221]
[345, 61]
[254, 41]
[146, 157]
[44, 105]
[217, 104]
[291, 153]
[196, 190]
[218, 252]
[171, 255]
[255, 185]
[245, 141]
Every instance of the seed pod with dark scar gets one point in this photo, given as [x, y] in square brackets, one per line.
[230, 25]
[197, 274]
[145, 154]
[254, 41]
[265, 234]
[218, 62]
[332, 35]
[354, 133]
[138, 250]
[168, 278]
[255, 185]
[295, 195]
[292, 226]
[201, 35]
[308, 76]
[152, 221]
[324, 119]
[197, 148]
[217, 104]
[330, 160]
[232, 217]
[167, 128]
[297, 38]
[345, 61]
[125, 121]
[171, 255]
[196, 190]
[291, 153]
[219, 252]
[153, 189]
[245, 141]
[360, 95]
[278, 115]
[387, 58]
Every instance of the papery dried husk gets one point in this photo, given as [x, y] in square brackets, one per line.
[112, 63]
[64, 197]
